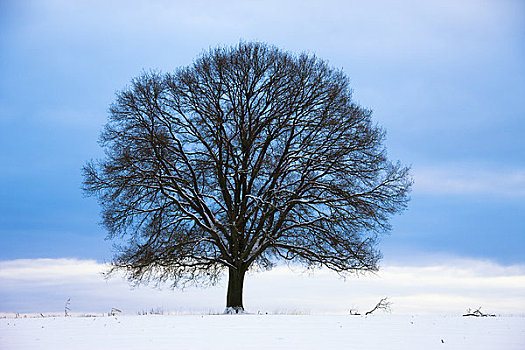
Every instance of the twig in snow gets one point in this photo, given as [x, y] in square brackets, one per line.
[477, 313]
[383, 304]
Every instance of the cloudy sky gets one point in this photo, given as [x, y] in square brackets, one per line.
[445, 79]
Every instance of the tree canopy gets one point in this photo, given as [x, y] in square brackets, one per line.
[249, 156]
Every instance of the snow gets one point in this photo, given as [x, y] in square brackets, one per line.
[263, 332]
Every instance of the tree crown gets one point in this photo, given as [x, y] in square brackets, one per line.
[245, 157]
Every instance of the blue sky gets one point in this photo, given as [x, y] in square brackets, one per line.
[446, 79]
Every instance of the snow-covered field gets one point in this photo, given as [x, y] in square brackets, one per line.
[263, 332]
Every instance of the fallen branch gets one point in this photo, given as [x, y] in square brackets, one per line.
[383, 304]
[477, 313]
[354, 312]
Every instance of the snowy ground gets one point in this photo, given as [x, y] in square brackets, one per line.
[263, 332]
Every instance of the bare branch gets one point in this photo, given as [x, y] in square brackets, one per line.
[383, 304]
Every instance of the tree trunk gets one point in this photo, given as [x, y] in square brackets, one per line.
[234, 296]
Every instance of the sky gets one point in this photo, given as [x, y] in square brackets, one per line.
[445, 79]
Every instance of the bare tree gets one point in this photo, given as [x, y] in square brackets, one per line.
[249, 156]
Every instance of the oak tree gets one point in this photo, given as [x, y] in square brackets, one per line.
[247, 157]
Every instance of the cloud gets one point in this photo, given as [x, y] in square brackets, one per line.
[50, 271]
[43, 285]
[469, 180]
